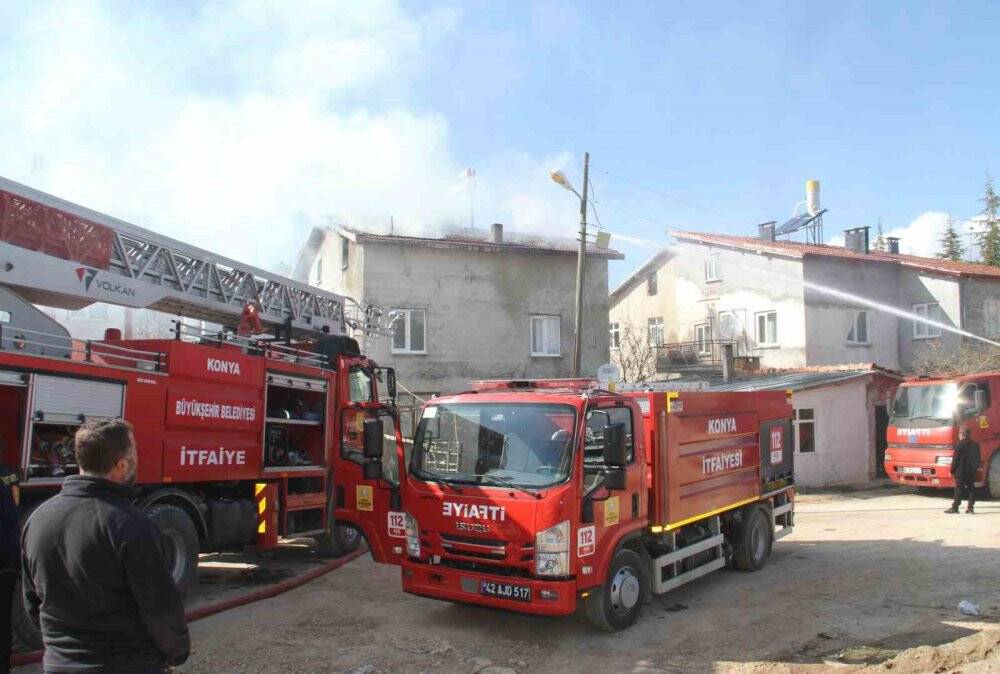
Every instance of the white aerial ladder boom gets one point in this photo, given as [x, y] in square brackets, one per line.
[60, 254]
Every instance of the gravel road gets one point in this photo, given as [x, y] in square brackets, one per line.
[866, 576]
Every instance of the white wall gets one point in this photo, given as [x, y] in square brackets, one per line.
[749, 283]
[843, 435]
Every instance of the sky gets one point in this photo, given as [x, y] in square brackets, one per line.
[239, 125]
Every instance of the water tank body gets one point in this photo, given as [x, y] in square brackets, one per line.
[812, 197]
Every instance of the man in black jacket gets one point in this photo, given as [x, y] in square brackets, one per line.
[94, 576]
[964, 465]
[10, 558]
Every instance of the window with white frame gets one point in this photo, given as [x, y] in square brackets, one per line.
[767, 328]
[545, 336]
[409, 331]
[614, 332]
[703, 337]
[712, 268]
[930, 311]
[858, 334]
[805, 431]
[651, 284]
[655, 327]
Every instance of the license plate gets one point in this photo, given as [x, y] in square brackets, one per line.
[917, 470]
[488, 588]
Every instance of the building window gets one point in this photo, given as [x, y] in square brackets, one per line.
[805, 431]
[4, 316]
[615, 334]
[712, 269]
[858, 334]
[545, 336]
[409, 331]
[767, 328]
[655, 326]
[930, 311]
[345, 253]
[703, 337]
[651, 284]
[317, 271]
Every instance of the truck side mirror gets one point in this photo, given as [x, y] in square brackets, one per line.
[372, 470]
[980, 399]
[614, 478]
[390, 383]
[615, 453]
[373, 439]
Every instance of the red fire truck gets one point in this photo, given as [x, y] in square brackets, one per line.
[536, 495]
[923, 429]
[241, 440]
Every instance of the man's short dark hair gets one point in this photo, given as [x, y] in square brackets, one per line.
[101, 444]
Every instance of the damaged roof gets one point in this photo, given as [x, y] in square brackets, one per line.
[796, 249]
[480, 240]
[802, 378]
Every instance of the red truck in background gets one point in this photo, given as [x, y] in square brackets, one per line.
[534, 496]
[923, 429]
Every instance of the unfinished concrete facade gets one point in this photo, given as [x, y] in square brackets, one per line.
[471, 307]
[795, 305]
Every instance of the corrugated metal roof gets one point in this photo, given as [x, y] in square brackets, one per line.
[799, 250]
[795, 381]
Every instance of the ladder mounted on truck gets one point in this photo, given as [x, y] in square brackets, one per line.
[60, 254]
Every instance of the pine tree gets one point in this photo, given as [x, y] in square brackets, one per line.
[951, 243]
[989, 238]
[880, 239]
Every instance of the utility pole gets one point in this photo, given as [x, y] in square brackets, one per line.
[581, 268]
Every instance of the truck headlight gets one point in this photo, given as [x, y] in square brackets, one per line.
[412, 537]
[552, 550]
[888, 457]
[944, 461]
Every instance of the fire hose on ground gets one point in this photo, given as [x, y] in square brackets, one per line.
[281, 587]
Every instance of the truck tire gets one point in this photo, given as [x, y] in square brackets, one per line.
[25, 633]
[180, 543]
[993, 477]
[754, 539]
[617, 604]
[339, 541]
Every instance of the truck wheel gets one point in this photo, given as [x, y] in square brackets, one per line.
[753, 541]
[180, 543]
[617, 604]
[339, 541]
[25, 632]
[993, 477]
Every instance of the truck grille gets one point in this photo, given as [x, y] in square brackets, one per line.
[477, 548]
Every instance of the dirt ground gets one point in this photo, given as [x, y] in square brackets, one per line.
[870, 581]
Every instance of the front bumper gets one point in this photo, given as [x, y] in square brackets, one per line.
[930, 475]
[440, 582]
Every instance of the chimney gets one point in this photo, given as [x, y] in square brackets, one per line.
[728, 364]
[496, 233]
[857, 240]
[765, 230]
[893, 244]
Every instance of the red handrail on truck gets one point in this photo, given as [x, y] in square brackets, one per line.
[535, 496]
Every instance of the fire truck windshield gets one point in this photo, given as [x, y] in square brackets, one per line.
[523, 445]
[935, 402]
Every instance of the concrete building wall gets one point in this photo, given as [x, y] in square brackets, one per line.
[747, 284]
[478, 307]
[843, 429]
[637, 306]
[981, 307]
[922, 288]
[829, 318]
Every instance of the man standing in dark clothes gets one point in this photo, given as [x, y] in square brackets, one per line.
[10, 558]
[964, 464]
[94, 576]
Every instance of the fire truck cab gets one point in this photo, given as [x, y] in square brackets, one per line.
[536, 496]
[923, 429]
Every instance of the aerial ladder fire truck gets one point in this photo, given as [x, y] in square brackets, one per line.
[243, 437]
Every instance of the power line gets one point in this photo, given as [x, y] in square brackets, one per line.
[675, 198]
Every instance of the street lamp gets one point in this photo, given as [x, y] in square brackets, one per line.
[562, 181]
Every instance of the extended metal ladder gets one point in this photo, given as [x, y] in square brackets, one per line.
[60, 254]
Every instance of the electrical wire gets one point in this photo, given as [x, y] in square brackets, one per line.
[673, 198]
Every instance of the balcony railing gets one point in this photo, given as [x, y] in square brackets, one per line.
[696, 355]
